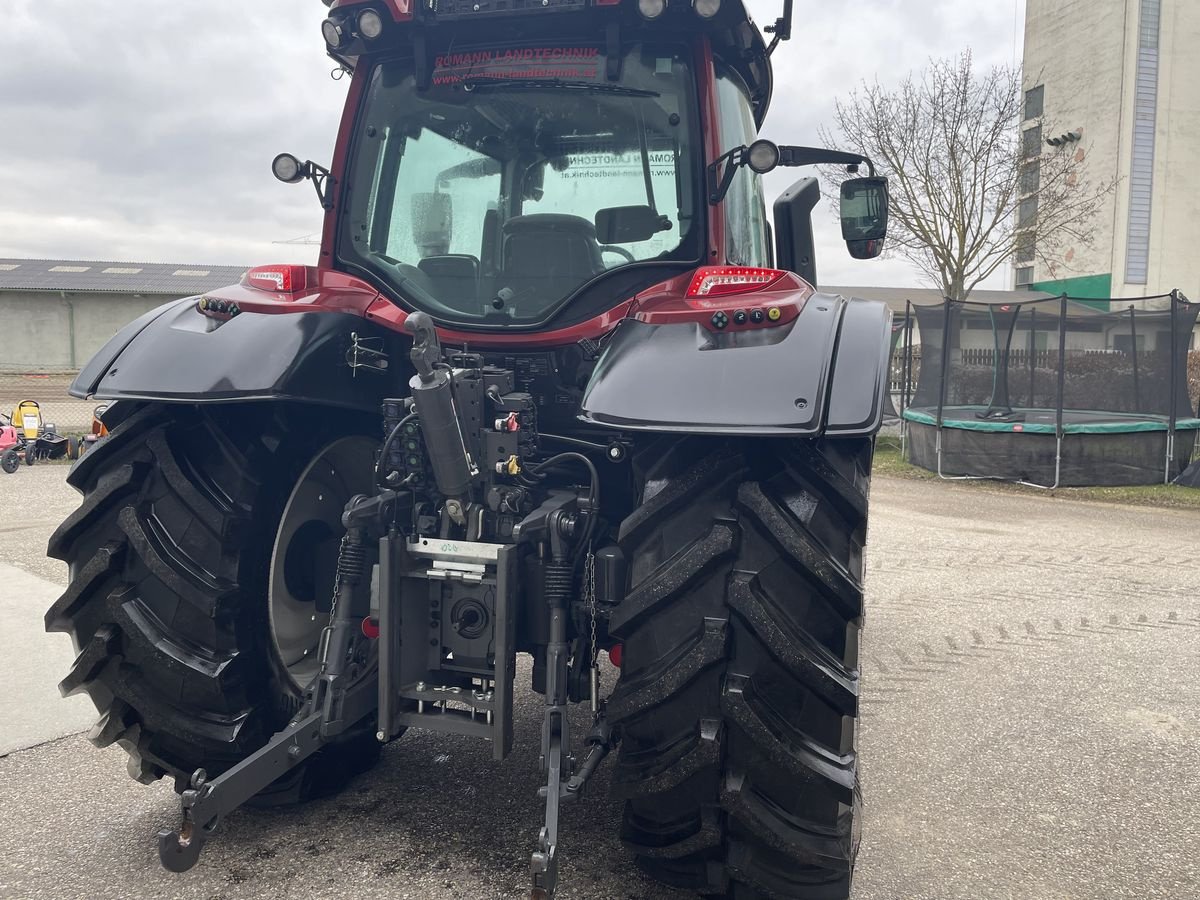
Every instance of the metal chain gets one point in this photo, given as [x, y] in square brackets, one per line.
[589, 595]
[327, 631]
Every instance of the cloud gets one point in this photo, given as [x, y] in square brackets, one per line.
[144, 130]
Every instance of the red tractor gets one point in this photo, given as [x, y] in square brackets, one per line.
[574, 393]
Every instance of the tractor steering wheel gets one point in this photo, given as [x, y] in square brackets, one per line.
[620, 251]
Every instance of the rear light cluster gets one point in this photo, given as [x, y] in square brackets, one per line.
[277, 279]
[721, 281]
[726, 298]
[713, 282]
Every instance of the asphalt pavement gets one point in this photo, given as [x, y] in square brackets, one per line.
[1030, 730]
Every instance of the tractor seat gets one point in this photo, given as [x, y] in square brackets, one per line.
[546, 256]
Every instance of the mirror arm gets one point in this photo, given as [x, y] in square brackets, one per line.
[322, 182]
[733, 159]
[811, 156]
[782, 29]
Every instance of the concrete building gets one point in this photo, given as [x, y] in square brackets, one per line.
[54, 314]
[1120, 79]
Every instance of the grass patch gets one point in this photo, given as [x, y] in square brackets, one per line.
[890, 462]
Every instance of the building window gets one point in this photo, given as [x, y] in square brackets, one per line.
[1034, 100]
[1031, 145]
[1024, 276]
[1026, 246]
[1031, 177]
[1027, 212]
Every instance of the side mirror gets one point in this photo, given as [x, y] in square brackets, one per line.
[432, 223]
[864, 212]
[629, 224]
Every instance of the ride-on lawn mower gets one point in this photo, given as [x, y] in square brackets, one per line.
[572, 399]
[24, 435]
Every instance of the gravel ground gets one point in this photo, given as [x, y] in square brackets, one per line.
[1030, 730]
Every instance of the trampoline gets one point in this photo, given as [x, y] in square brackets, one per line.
[1051, 393]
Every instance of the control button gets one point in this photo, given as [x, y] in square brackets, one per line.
[720, 320]
[740, 317]
[774, 313]
[757, 316]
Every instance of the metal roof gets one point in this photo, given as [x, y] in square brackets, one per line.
[91, 277]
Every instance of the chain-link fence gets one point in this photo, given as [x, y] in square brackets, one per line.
[68, 415]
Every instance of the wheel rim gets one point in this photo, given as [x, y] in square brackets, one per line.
[304, 557]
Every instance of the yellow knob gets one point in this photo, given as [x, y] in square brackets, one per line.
[774, 313]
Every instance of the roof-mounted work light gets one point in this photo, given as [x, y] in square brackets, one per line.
[652, 9]
[335, 33]
[706, 9]
[370, 24]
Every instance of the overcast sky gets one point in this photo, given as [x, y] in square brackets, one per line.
[143, 131]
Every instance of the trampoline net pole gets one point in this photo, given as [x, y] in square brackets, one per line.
[1137, 390]
[1032, 354]
[1173, 390]
[1062, 363]
[945, 377]
[906, 375]
[1062, 383]
[945, 373]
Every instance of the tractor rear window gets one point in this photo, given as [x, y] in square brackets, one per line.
[520, 177]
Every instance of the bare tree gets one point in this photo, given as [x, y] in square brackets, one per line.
[970, 190]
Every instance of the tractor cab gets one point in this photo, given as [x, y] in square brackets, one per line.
[512, 164]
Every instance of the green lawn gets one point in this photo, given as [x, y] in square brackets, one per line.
[889, 462]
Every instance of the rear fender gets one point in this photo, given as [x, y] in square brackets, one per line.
[823, 373]
[179, 354]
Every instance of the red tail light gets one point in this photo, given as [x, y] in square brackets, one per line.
[277, 279]
[720, 281]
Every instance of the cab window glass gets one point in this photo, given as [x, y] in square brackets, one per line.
[746, 240]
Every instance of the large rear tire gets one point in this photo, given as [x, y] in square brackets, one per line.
[172, 556]
[738, 698]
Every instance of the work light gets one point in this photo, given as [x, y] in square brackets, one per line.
[333, 33]
[762, 156]
[370, 24]
[706, 9]
[652, 9]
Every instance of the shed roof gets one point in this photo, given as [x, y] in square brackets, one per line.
[90, 276]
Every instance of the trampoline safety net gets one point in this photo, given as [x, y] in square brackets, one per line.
[1105, 389]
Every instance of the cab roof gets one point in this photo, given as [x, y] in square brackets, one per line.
[427, 24]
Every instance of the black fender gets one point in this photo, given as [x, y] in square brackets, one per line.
[177, 354]
[824, 373]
